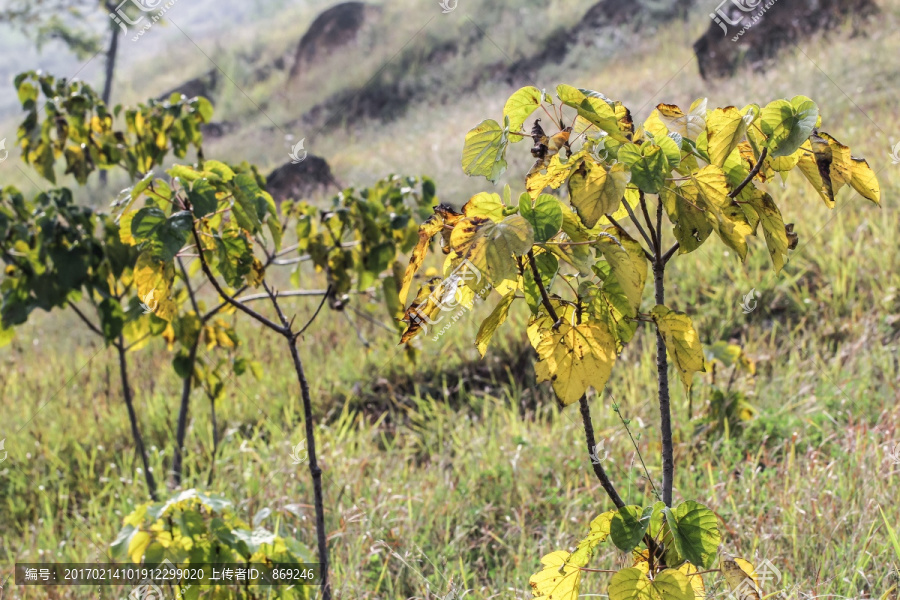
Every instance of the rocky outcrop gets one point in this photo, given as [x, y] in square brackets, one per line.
[203, 85]
[338, 26]
[298, 181]
[752, 32]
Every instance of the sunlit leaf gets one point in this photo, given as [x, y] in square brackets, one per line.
[682, 342]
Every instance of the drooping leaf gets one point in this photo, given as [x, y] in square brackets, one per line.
[730, 222]
[484, 152]
[154, 279]
[443, 219]
[682, 342]
[493, 322]
[772, 223]
[557, 170]
[692, 224]
[600, 528]
[629, 265]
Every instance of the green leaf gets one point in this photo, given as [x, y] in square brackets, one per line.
[629, 268]
[648, 164]
[520, 106]
[484, 152]
[695, 531]
[202, 196]
[682, 342]
[691, 225]
[595, 192]
[545, 215]
[493, 322]
[485, 205]
[112, 318]
[787, 124]
[629, 525]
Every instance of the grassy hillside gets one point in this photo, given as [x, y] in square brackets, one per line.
[454, 473]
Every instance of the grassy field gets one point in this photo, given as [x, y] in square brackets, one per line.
[457, 474]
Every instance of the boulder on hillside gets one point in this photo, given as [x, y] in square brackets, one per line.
[297, 181]
[336, 27]
[751, 32]
[203, 85]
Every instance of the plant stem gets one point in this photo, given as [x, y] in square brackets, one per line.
[662, 374]
[314, 469]
[132, 416]
[181, 431]
[591, 444]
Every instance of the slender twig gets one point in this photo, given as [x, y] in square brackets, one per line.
[637, 224]
[315, 314]
[654, 234]
[636, 449]
[545, 298]
[616, 223]
[670, 253]
[753, 172]
[239, 305]
[87, 321]
[187, 284]
[132, 416]
[359, 335]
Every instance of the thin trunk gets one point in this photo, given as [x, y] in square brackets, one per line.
[662, 371]
[314, 469]
[215, 434]
[181, 432]
[132, 416]
[111, 53]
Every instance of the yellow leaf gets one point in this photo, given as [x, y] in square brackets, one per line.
[154, 280]
[125, 235]
[553, 176]
[443, 219]
[689, 125]
[595, 192]
[863, 180]
[696, 580]
[575, 358]
[519, 107]
[725, 128]
[556, 581]
[599, 532]
[682, 342]
[485, 205]
[772, 222]
[741, 578]
[730, 222]
[493, 322]
[138, 545]
[632, 583]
